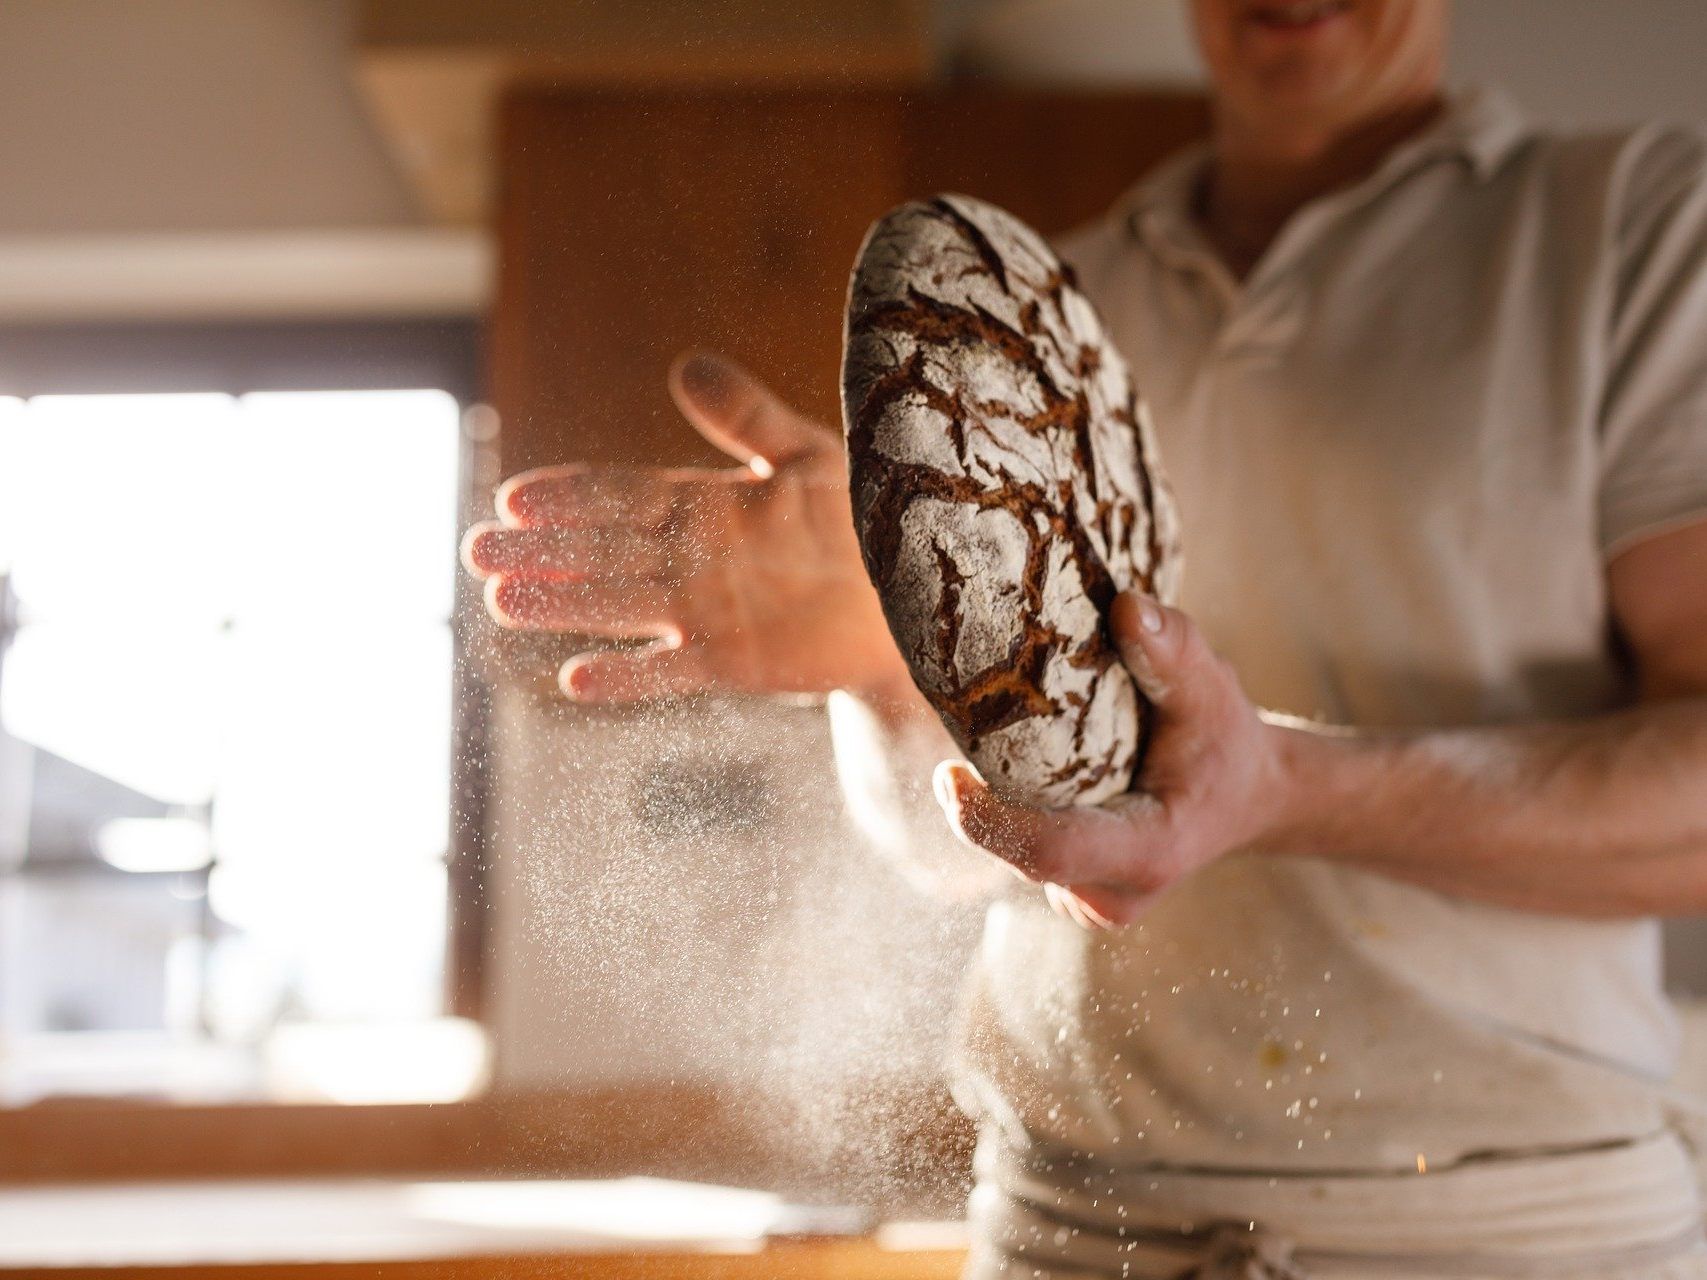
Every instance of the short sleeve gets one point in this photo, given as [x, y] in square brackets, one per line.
[1653, 423]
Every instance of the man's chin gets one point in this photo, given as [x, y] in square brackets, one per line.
[1301, 96]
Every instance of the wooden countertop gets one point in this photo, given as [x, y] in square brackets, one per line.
[449, 1230]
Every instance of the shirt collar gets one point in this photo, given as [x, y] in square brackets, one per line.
[1480, 126]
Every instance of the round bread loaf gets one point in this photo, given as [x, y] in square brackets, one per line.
[1005, 487]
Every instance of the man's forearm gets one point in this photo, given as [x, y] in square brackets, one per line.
[1602, 817]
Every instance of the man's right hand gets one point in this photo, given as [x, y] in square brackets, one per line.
[744, 578]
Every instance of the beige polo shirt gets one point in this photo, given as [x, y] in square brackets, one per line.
[1403, 449]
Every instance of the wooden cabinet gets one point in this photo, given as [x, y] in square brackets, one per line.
[633, 225]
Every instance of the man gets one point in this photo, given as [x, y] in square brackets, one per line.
[1380, 998]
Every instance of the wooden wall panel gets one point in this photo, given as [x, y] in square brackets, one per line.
[1055, 160]
[682, 1131]
[852, 1259]
[634, 225]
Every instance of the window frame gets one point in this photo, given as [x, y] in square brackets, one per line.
[235, 358]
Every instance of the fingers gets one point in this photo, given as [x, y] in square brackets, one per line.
[1098, 907]
[588, 551]
[1109, 907]
[1065, 903]
[630, 675]
[1165, 652]
[586, 496]
[1122, 844]
[564, 552]
[742, 416]
[616, 608]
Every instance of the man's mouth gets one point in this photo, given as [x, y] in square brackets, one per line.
[1295, 15]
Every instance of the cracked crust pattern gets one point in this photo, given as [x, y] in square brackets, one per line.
[1005, 487]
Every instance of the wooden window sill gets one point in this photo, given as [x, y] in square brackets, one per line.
[919, 1168]
[446, 1230]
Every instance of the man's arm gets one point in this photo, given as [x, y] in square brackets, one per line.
[1598, 817]
[887, 741]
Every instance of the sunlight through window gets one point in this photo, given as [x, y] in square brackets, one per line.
[226, 717]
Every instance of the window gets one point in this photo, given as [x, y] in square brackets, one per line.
[226, 697]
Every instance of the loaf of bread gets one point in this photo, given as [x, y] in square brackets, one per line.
[1005, 487]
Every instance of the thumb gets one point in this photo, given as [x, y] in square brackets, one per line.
[1163, 649]
[740, 415]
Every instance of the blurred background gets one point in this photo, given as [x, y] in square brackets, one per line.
[305, 873]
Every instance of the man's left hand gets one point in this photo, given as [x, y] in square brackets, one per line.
[1215, 780]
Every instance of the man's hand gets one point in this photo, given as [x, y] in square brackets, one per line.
[1214, 781]
[1602, 816]
[746, 578]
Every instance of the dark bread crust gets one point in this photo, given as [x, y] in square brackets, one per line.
[1004, 487]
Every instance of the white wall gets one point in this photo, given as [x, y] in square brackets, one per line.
[206, 160]
[1588, 62]
[134, 116]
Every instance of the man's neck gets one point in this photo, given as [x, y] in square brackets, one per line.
[1262, 175]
